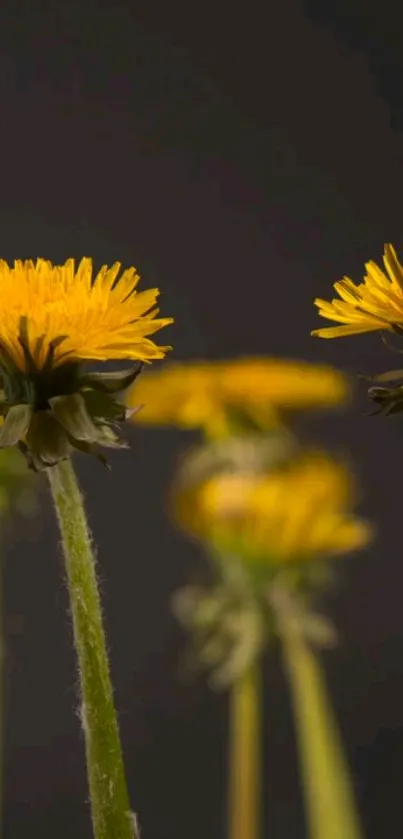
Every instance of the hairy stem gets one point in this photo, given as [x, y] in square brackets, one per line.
[111, 816]
[244, 757]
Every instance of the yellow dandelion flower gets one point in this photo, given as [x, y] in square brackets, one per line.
[76, 314]
[53, 318]
[301, 511]
[203, 394]
[375, 304]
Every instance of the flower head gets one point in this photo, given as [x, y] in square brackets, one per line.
[268, 530]
[208, 394]
[71, 315]
[300, 511]
[53, 318]
[375, 304]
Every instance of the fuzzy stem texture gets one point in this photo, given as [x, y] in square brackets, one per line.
[111, 816]
[244, 757]
[329, 798]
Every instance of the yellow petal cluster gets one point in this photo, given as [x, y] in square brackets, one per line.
[302, 511]
[200, 394]
[375, 304]
[99, 318]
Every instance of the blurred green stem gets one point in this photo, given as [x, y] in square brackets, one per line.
[329, 798]
[110, 807]
[245, 757]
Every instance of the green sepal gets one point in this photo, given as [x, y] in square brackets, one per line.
[389, 400]
[317, 629]
[18, 387]
[46, 441]
[16, 425]
[76, 410]
[112, 382]
[107, 436]
[72, 414]
[92, 426]
[88, 448]
[100, 406]
[228, 620]
[228, 633]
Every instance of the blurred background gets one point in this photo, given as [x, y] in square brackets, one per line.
[243, 158]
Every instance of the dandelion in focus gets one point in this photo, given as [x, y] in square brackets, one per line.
[375, 304]
[54, 317]
[71, 315]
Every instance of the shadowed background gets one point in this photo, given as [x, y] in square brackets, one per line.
[243, 161]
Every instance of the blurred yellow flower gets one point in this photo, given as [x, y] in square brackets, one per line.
[203, 394]
[298, 512]
[376, 303]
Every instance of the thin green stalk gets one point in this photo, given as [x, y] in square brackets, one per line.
[329, 798]
[2, 695]
[110, 807]
[245, 757]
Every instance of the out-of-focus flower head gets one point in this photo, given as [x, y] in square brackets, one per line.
[54, 317]
[269, 524]
[217, 395]
[298, 512]
[375, 304]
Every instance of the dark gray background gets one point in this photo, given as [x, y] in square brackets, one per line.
[243, 160]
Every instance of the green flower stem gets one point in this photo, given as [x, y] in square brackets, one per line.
[244, 757]
[110, 807]
[329, 799]
[2, 694]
